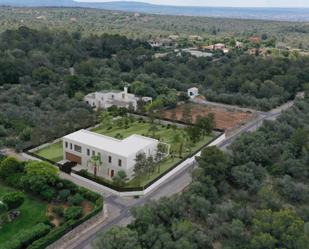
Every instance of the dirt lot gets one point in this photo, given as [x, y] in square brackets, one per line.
[224, 119]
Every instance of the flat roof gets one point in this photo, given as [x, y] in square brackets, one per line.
[125, 147]
[110, 91]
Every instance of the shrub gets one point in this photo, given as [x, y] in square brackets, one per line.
[25, 237]
[73, 213]
[14, 180]
[64, 194]
[4, 218]
[48, 194]
[9, 166]
[83, 172]
[51, 217]
[42, 219]
[296, 192]
[77, 199]
[3, 208]
[58, 211]
[59, 185]
[303, 212]
[14, 199]
[69, 185]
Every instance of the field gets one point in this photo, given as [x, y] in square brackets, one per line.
[224, 119]
[30, 210]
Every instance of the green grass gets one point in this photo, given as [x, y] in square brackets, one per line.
[54, 153]
[30, 210]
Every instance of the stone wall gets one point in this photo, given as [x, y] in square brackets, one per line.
[79, 231]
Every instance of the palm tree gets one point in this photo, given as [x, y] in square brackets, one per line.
[184, 137]
[120, 178]
[176, 139]
[105, 119]
[153, 128]
[96, 162]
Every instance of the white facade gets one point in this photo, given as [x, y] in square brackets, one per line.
[192, 92]
[116, 154]
[107, 98]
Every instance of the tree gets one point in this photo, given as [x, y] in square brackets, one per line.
[184, 137]
[131, 108]
[59, 129]
[141, 107]
[194, 133]
[212, 118]
[14, 200]
[37, 137]
[174, 116]
[160, 112]
[150, 165]
[257, 52]
[74, 84]
[105, 119]
[122, 112]
[120, 178]
[116, 237]
[205, 125]
[114, 110]
[9, 166]
[213, 161]
[152, 118]
[79, 96]
[91, 120]
[186, 115]
[98, 113]
[160, 154]
[43, 75]
[153, 128]
[175, 140]
[232, 42]
[96, 162]
[285, 228]
[82, 118]
[49, 136]
[132, 119]
[300, 139]
[71, 127]
[45, 169]
[139, 166]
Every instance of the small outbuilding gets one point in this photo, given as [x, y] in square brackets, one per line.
[192, 92]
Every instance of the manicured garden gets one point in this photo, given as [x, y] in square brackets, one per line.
[38, 206]
[32, 208]
[54, 153]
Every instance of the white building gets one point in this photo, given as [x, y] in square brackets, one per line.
[192, 92]
[116, 154]
[107, 98]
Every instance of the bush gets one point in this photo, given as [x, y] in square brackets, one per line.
[5, 218]
[42, 219]
[77, 199]
[73, 213]
[9, 166]
[296, 192]
[69, 185]
[83, 172]
[58, 211]
[303, 212]
[14, 180]
[48, 194]
[3, 208]
[59, 185]
[14, 199]
[25, 237]
[64, 194]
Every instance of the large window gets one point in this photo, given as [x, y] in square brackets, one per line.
[77, 148]
[119, 162]
[109, 159]
[66, 144]
[71, 146]
[93, 152]
[88, 152]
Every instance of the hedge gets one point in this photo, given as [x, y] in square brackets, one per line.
[25, 237]
[55, 235]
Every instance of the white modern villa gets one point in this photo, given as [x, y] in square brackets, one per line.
[192, 92]
[116, 154]
[107, 98]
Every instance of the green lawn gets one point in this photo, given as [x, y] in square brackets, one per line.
[54, 153]
[30, 210]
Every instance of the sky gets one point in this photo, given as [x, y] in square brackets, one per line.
[221, 3]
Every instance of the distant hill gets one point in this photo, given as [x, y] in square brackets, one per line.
[283, 14]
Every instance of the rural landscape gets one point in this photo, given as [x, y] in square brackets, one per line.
[122, 127]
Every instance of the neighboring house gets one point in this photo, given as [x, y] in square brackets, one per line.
[225, 50]
[192, 37]
[173, 37]
[261, 51]
[300, 95]
[254, 39]
[73, 19]
[107, 98]
[219, 46]
[238, 44]
[197, 53]
[160, 43]
[115, 154]
[136, 15]
[303, 53]
[280, 45]
[192, 92]
[210, 47]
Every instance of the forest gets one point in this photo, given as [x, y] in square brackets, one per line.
[254, 195]
[147, 26]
